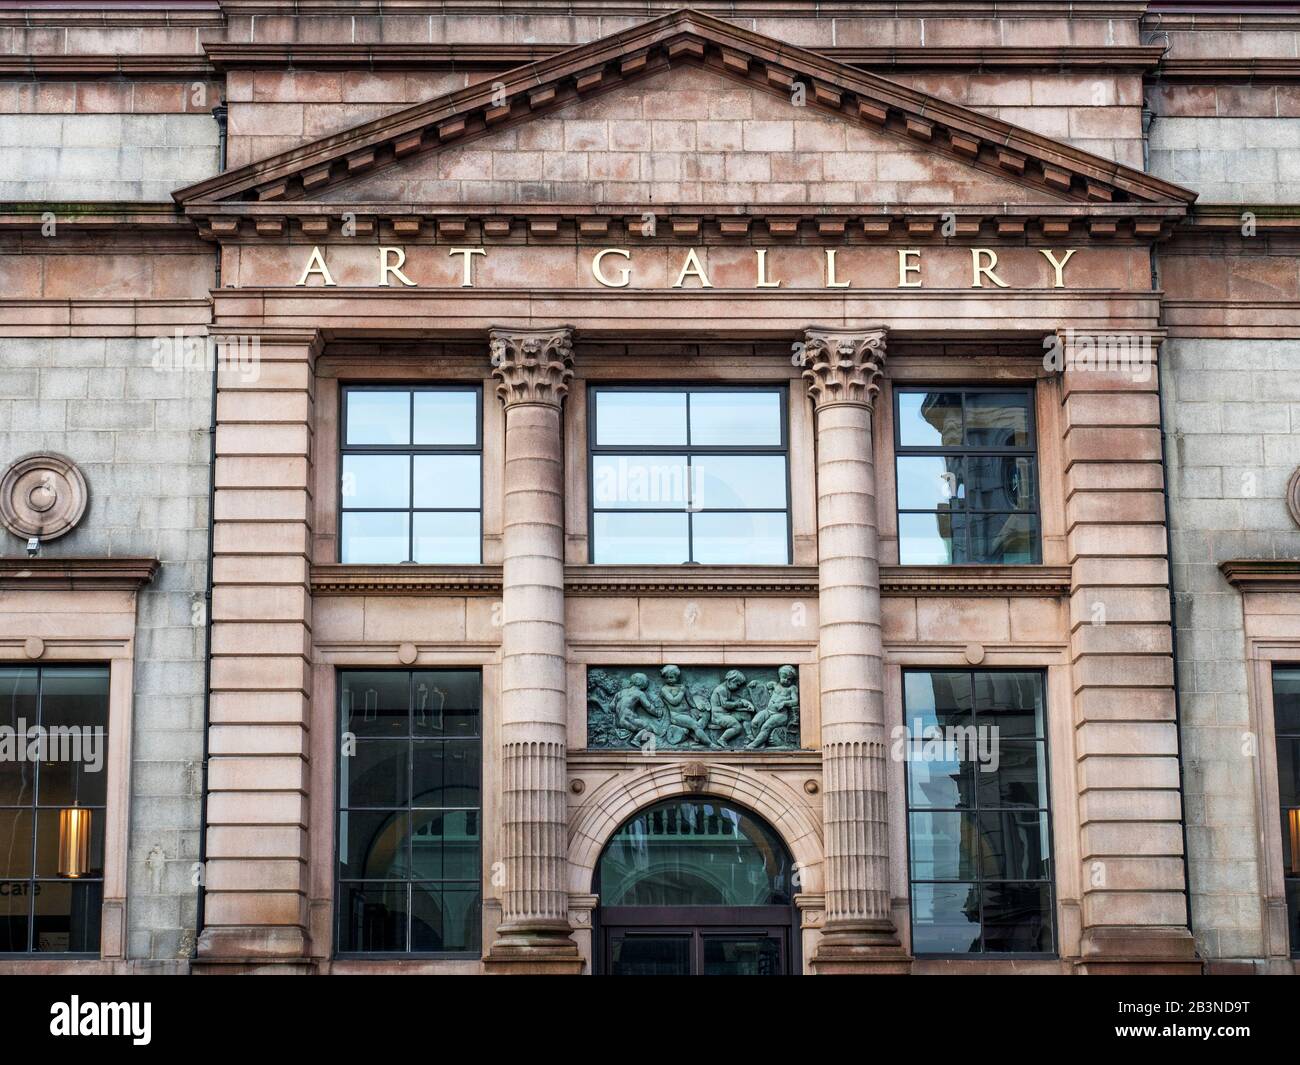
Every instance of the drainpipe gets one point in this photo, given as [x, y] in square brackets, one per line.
[219, 113]
[1148, 119]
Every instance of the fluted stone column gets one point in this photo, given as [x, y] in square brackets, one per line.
[533, 370]
[843, 369]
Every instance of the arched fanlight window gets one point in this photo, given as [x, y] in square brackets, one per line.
[697, 852]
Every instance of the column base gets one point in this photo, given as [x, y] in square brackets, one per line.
[252, 950]
[868, 949]
[533, 953]
[1132, 951]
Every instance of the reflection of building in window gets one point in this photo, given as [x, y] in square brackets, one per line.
[978, 813]
[966, 476]
[706, 853]
[410, 822]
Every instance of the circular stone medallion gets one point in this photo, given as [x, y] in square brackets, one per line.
[42, 495]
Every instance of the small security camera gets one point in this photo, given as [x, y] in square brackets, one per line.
[33, 546]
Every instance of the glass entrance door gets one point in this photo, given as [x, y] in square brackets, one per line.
[695, 952]
[695, 888]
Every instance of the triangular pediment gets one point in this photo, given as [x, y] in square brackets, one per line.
[684, 109]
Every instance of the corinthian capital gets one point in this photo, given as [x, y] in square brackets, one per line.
[532, 366]
[844, 365]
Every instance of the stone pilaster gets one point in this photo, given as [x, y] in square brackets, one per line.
[255, 903]
[533, 370]
[1126, 742]
[843, 369]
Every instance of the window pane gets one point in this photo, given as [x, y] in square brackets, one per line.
[939, 781]
[375, 538]
[925, 539]
[945, 918]
[445, 773]
[374, 844]
[447, 538]
[374, 775]
[74, 695]
[937, 698]
[15, 901]
[997, 419]
[444, 917]
[15, 843]
[755, 955]
[376, 481]
[1012, 701]
[1286, 699]
[1003, 538]
[447, 481]
[446, 417]
[67, 916]
[736, 419]
[738, 482]
[460, 845]
[447, 703]
[460, 920]
[18, 697]
[377, 703]
[645, 538]
[741, 539]
[658, 482]
[426, 845]
[372, 917]
[1000, 482]
[1020, 777]
[930, 482]
[378, 417]
[18, 711]
[1288, 771]
[641, 954]
[944, 846]
[1018, 917]
[80, 775]
[629, 419]
[929, 419]
[1013, 845]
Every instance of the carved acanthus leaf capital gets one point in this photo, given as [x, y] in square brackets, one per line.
[843, 365]
[532, 366]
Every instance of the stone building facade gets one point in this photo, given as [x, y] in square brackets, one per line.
[557, 488]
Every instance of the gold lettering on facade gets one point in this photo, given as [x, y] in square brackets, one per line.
[906, 267]
[467, 274]
[763, 280]
[693, 267]
[1058, 266]
[316, 265]
[984, 265]
[831, 281]
[625, 272]
[981, 270]
[386, 268]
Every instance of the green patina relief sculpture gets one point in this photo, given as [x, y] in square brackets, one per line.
[696, 708]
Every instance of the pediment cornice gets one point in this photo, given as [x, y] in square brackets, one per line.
[1063, 176]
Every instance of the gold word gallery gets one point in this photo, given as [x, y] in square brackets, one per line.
[616, 268]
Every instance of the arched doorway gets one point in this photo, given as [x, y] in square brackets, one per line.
[696, 886]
